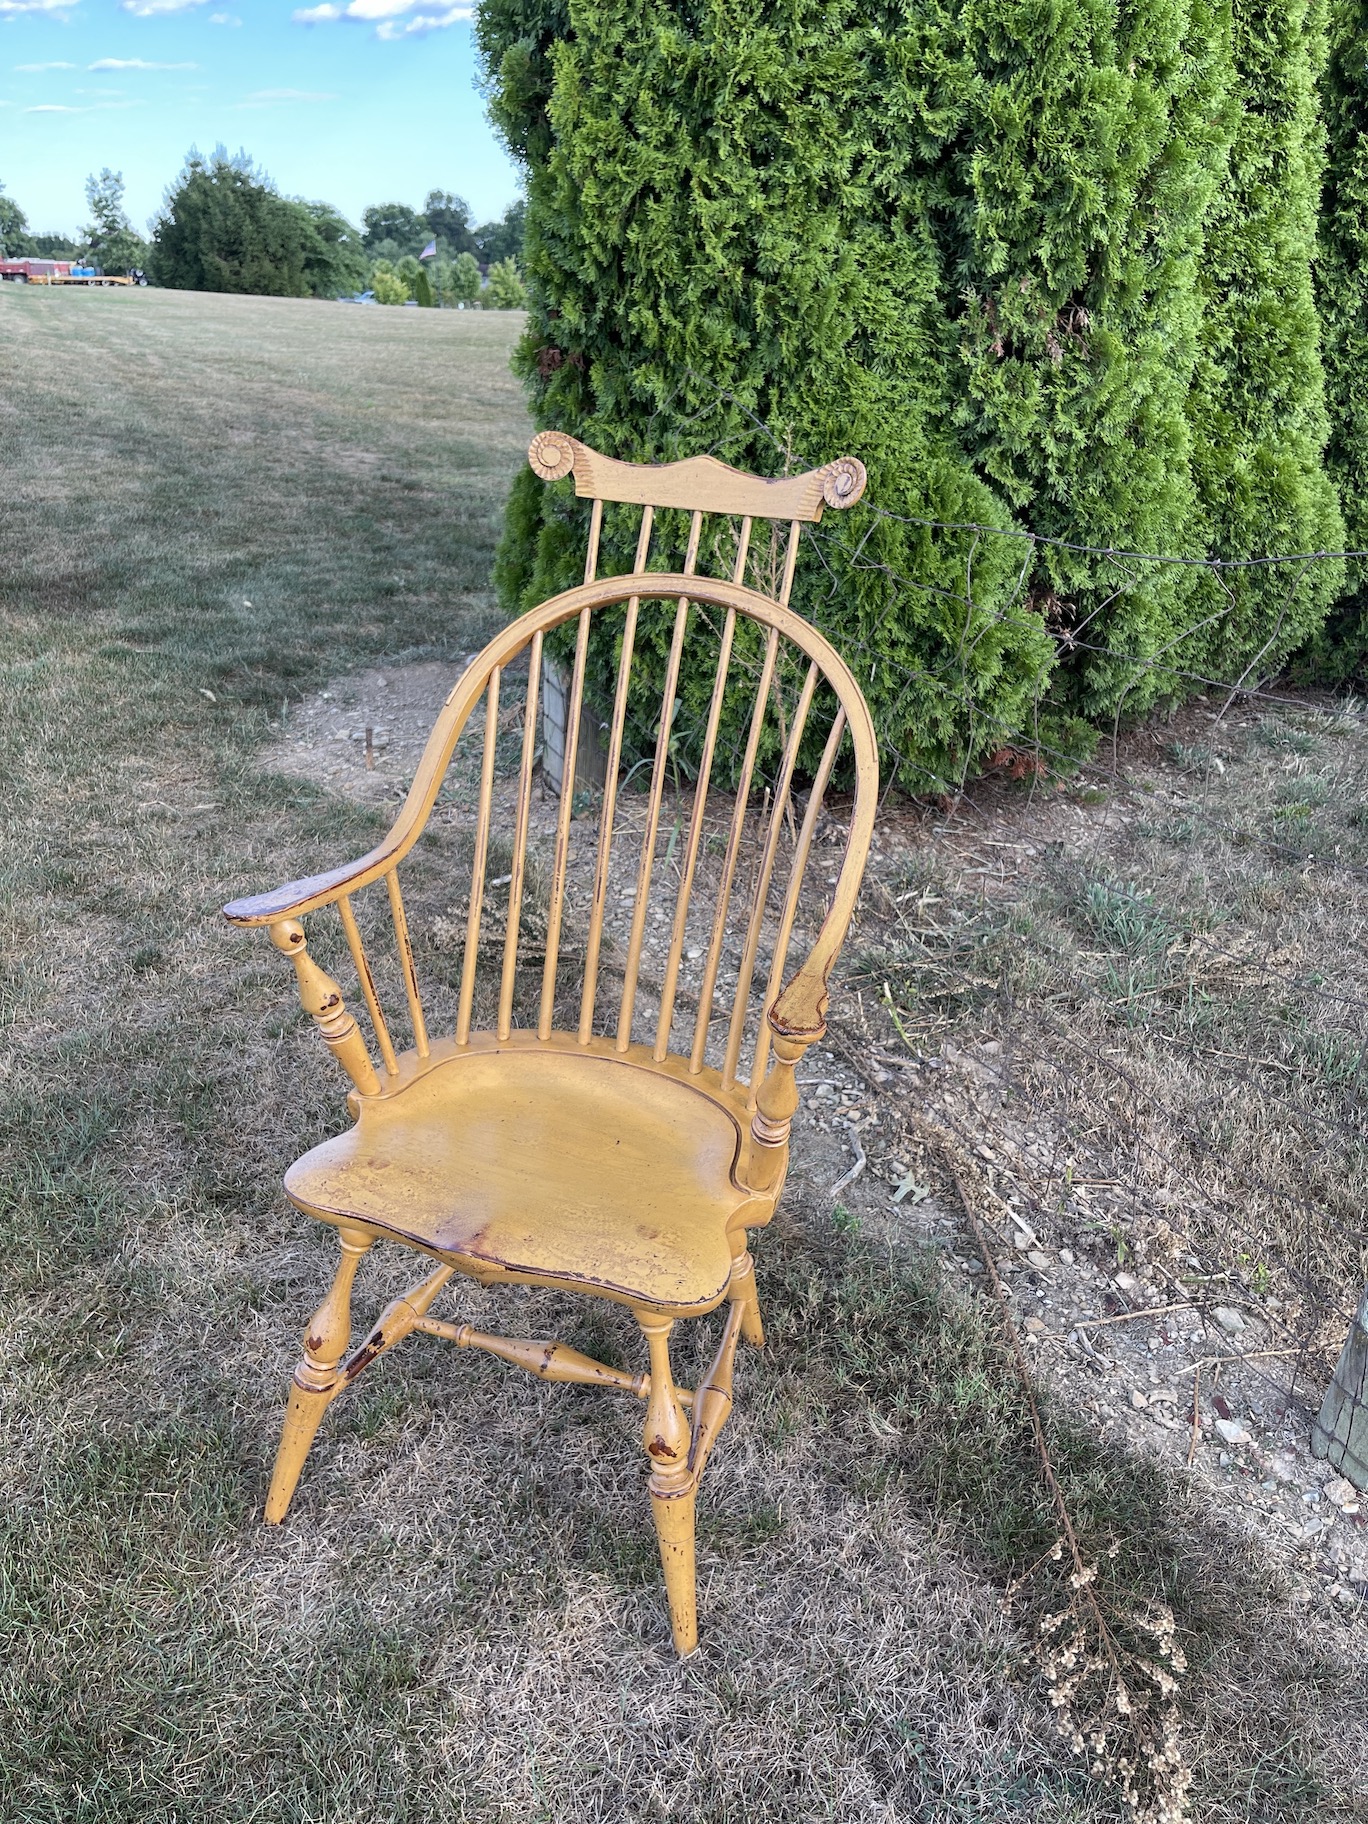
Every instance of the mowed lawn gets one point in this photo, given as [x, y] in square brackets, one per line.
[210, 506]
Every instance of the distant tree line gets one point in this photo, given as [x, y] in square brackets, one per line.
[223, 226]
[108, 240]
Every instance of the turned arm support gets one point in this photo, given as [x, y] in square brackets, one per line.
[321, 998]
[796, 1020]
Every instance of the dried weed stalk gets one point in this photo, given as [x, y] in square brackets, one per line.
[1113, 1672]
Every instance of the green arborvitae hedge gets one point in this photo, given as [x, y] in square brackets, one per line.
[967, 244]
[1342, 300]
[730, 248]
[1080, 176]
[1257, 404]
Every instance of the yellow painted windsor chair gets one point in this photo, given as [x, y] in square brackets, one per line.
[554, 1135]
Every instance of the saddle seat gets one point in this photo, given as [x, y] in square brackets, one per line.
[531, 1163]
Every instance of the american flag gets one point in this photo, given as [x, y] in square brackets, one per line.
[429, 252]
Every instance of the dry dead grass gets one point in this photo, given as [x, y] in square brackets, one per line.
[243, 498]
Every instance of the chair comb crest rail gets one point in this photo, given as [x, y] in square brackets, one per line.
[638, 805]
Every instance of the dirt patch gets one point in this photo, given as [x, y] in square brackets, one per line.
[324, 738]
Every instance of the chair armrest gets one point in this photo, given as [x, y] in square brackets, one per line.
[297, 897]
[800, 1011]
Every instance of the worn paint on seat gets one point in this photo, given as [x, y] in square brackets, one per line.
[552, 1167]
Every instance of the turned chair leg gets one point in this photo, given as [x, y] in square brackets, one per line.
[315, 1379]
[741, 1291]
[666, 1435]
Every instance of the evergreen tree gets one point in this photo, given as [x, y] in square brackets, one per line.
[224, 227]
[908, 239]
[1257, 404]
[1342, 299]
[422, 290]
[1077, 177]
[1035, 263]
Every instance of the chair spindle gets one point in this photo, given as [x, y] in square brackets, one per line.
[471, 959]
[738, 824]
[367, 980]
[608, 807]
[518, 873]
[790, 563]
[556, 909]
[648, 840]
[681, 917]
[592, 549]
[800, 860]
[764, 874]
[401, 936]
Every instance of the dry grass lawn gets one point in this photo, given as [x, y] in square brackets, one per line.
[214, 507]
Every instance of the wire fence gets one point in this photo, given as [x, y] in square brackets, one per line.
[1167, 1009]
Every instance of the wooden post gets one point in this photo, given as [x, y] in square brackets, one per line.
[1340, 1433]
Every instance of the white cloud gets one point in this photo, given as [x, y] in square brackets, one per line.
[423, 23]
[94, 107]
[224, 19]
[133, 63]
[31, 69]
[387, 16]
[265, 98]
[151, 9]
[11, 9]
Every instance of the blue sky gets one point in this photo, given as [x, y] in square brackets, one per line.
[349, 101]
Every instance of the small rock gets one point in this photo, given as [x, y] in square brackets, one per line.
[1125, 1282]
[1034, 1327]
[1066, 1255]
[1224, 1459]
[1138, 1400]
[1232, 1432]
[1342, 1492]
[1041, 1262]
[1163, 1396]
[1229, 1319]
[1282, 1468]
